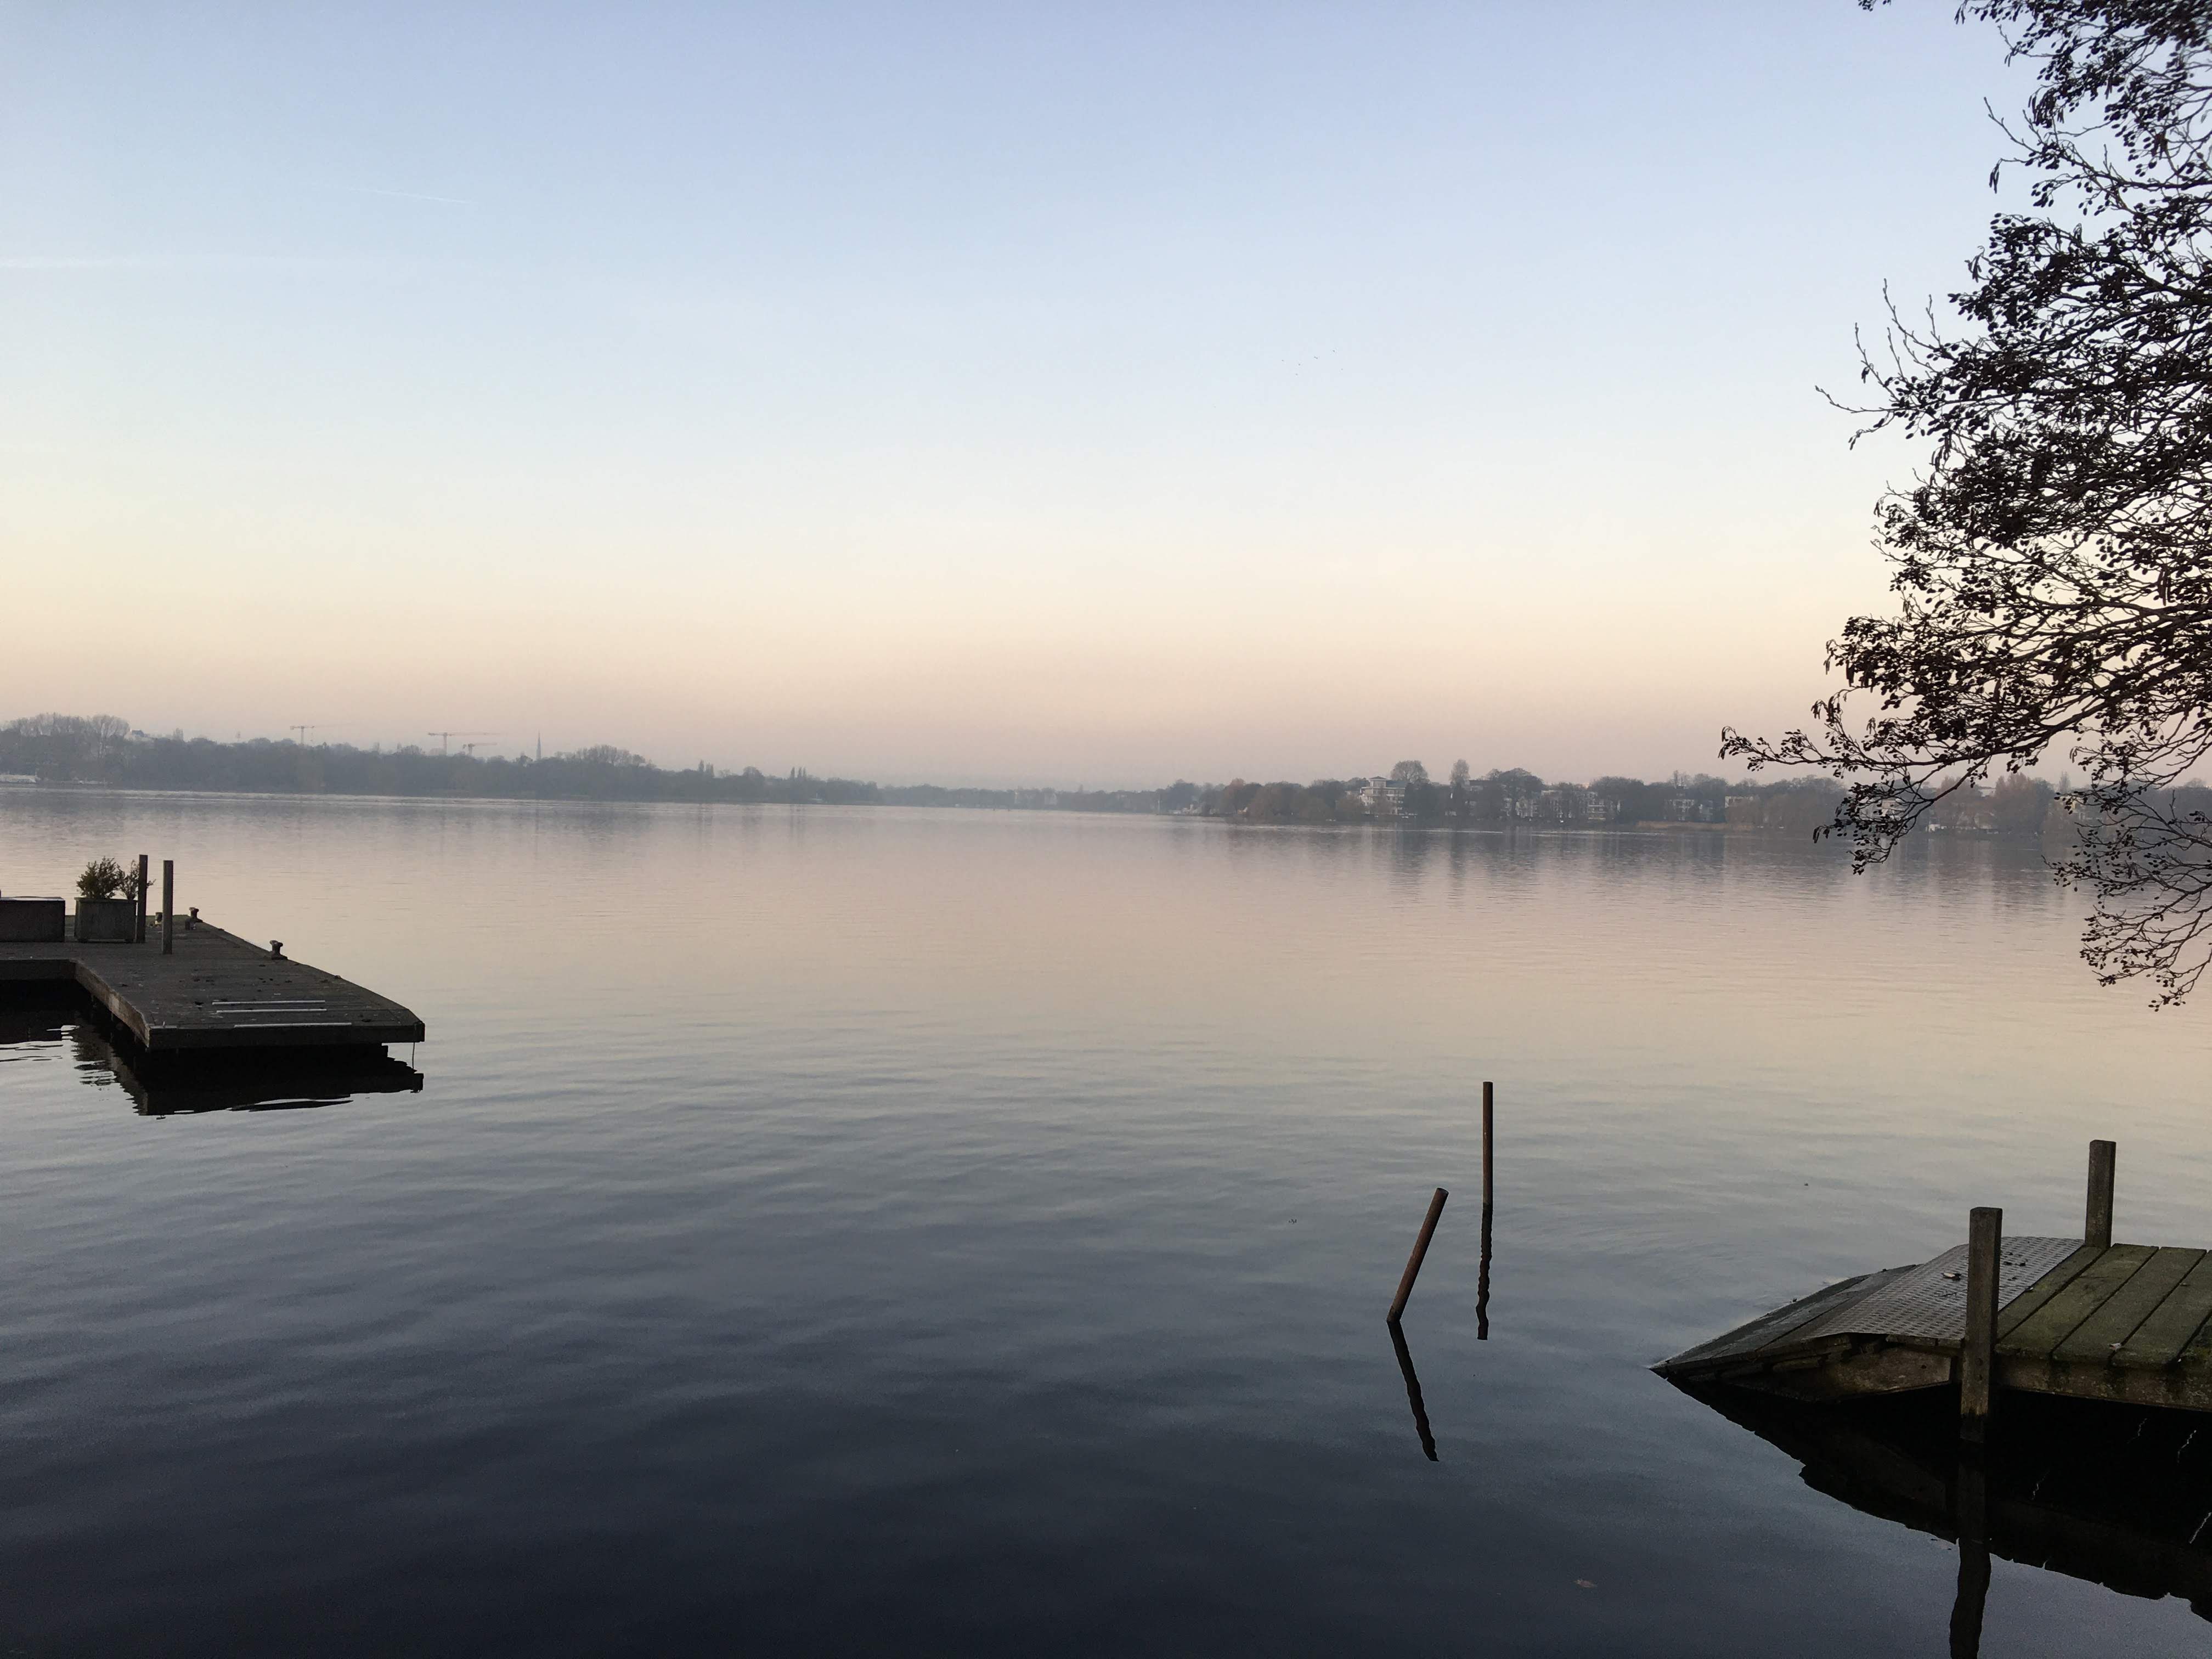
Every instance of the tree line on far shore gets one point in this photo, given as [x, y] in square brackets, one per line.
[2019, 805]
[106, 749]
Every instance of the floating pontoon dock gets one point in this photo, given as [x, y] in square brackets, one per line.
[214, 993]
[2079, 1318]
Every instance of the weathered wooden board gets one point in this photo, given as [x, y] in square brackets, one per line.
[2089, 1290]
[2104, 1333]
[2165, 1331]
[2029, 1302]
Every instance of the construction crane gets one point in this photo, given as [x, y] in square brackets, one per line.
[470, 749]
[303, 730]
[446, 737]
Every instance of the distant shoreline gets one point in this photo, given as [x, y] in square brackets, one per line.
[11, 786]
[102, 751]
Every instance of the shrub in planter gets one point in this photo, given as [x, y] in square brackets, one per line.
[106, 904]
[106, 879]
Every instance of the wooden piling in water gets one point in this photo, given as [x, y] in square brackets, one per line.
[1978, 1343]
[2097, 1223]
[1487, 1126]
[138, 925]
[169, 906]
[1420, 1249]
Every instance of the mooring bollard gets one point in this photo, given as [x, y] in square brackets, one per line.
[1977, 1340]
[275, 947]
[169, 906]
[2097, 1225]
[1420, 1249]
[138, 926]
[192, 918]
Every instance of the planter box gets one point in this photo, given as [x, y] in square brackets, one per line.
[33, 921]
[106, 922]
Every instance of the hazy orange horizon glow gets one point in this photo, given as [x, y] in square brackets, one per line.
[987, 398]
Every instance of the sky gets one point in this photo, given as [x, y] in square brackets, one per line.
[1079, 394]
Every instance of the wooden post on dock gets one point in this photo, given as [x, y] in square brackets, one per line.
[138, 930]
[169, 906]
[1487, 1126]
[1420, 1249]
[1977, 1343]
[2097, 1225]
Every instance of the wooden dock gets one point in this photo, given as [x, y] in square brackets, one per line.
[2083, 1318]
[215, 995]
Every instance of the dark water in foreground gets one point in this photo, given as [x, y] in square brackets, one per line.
[857, 1231]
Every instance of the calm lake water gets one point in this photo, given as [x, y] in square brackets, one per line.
[864, 1231]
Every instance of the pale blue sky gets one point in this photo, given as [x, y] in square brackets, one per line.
[1093, 394]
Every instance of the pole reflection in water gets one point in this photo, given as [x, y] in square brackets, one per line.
[1969, 1509]
[1406, 1354]
[1482, 1283]
[1414, 1390]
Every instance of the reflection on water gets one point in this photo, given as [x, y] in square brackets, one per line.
[2120, 1496]
[1482, 1283]
[1481, 1333]
[274, 1082]
[270, 1083]
[1412, 1390]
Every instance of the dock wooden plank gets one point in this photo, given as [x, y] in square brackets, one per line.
[2095, 1285]
[2101, 1335]
[2165, 1331]
[2196, 1353]
[2017, 1312]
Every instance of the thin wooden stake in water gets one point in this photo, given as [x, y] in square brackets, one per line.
[2097, 1225]
[169, 906]
[138, 925]
[1488, 1124]
[1977, 1344]
[1420, 1249]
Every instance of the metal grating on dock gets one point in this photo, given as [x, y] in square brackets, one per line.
[1929, 1301]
